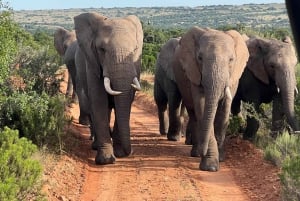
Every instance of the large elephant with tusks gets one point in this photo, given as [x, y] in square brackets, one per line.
[207, 66]
[112, 49]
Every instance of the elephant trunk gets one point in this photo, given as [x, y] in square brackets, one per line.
[122, 118]
[215, 83]
[287, 88]
[211, 102]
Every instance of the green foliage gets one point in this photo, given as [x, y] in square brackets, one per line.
[283, 148]
[154, 38]
[8, 45]
[38, 69]
[290, 179]
[235, 124]
[38, 117]
[20, 174]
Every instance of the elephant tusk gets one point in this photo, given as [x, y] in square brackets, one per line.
[278, 89]
[296, 91]
[108, 88]
[136, 84]
[228, 93]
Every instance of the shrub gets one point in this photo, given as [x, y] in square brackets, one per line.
[20, 174]
[40, 118]
[283, 148]
[38, 69]
[290, 179]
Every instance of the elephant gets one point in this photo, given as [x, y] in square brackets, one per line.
[207, 65]
[66, 45]
[112, 49]
[269, 77]
[167, 95]
[293, 8]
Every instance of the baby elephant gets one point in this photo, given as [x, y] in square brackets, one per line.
[167, 95]
[269, 77]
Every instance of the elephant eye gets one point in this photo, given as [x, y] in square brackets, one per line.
[272, 66]
[231, 59]
[101, 49]
[200, 58]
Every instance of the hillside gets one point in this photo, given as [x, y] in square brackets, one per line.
[249, 15]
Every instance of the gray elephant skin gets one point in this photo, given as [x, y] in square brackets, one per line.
[111, 48]
[269, 77]
[66, 45]
[207, 66]
[166, 94]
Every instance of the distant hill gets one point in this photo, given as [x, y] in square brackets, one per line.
[248, 15]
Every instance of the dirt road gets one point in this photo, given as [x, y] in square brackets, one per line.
[158, 169]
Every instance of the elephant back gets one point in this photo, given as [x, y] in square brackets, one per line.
[164, 60]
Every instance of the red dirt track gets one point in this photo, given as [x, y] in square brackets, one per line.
[158, 169]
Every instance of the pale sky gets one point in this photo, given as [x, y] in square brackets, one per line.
[65, 4]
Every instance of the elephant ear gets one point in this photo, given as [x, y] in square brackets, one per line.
[87, 26]
[188, 45]
[59, 39]
[241, 54]
[258, 48]
[166, 55]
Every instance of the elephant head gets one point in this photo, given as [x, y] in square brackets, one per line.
[112, 48]
[63, 39]
[274, 61]
[111, 44]
[213, 62]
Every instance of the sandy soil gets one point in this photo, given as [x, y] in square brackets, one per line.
[158, 169]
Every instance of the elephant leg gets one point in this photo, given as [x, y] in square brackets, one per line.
[251, 129]
[100, 123]
[277, 117]
[252, 123]
[221, 124]
[84, 117]
[174, 117]
[161, 102]
[210, 162]
[196, 120]
[193, 132]
[69, 86]
[181, 117]
[188, 132]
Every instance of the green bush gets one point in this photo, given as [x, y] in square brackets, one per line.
[290, 179]
[20, 174]
[39, 117]
[283, 148]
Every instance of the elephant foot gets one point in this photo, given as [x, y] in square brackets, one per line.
[209, 164]
[248, 137]
[162, 132]
[105, 156]
[84, 120]
[120, 151]
[195, 151]
[173, 137]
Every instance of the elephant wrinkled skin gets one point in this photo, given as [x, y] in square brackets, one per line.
[167, 95]
[269, 77]
[66, 45]
[112, 50]
[207, 66]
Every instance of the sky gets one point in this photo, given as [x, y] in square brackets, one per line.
[66, 4]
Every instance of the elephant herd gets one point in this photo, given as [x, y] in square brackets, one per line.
[206, 72]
